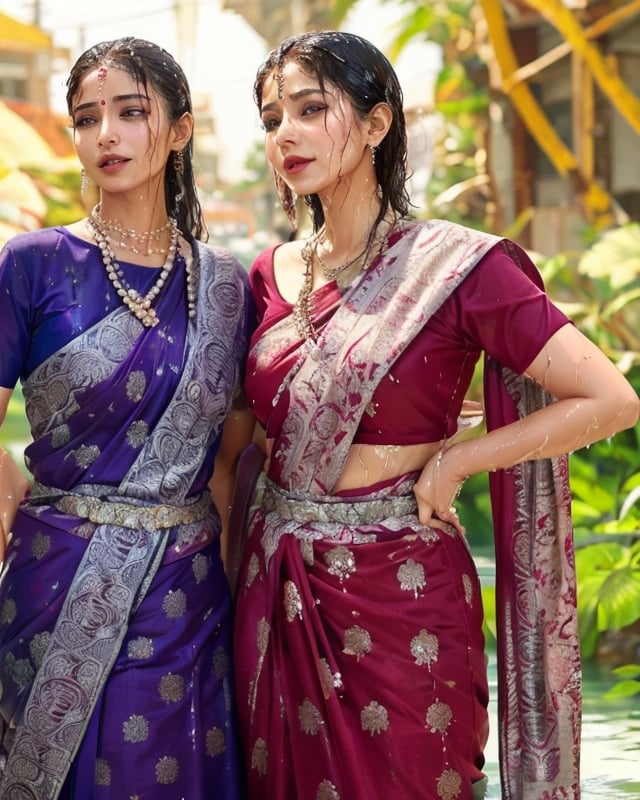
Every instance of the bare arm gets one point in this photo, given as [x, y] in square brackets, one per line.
[13, 483]
[236, 435]
[593, 401]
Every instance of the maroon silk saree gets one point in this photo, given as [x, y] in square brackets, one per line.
[359, 650]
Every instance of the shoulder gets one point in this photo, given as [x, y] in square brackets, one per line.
[262, 269]
[444, 231]
[34, 241]
[219, 262]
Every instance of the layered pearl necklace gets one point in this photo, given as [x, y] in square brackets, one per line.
[140, 307]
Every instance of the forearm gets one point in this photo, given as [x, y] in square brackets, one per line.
[562, 427]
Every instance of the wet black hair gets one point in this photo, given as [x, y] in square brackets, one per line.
[151, 65]
[364, 75]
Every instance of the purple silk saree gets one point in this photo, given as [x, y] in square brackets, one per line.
[358, 635]
[115, 613]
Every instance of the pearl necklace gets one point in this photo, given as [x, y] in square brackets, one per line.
[140, 307]
[129, 235]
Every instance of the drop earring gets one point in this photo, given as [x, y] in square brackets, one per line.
[373, 149]
[84, 181]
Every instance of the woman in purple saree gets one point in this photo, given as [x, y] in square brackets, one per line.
[359, 649]
[115, 612]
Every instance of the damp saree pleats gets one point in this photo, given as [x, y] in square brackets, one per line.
[309, 652]
[159, 429]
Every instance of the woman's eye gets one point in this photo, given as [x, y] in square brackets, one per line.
[82, 122]
[313, 109]
[133, 112]
[270, 124]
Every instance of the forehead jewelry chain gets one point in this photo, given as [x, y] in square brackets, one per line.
[139, 306]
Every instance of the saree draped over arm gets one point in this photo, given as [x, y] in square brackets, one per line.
[115, 616]
[358, 631]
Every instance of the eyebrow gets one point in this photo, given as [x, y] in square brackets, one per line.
[119, 98]
[295, 96]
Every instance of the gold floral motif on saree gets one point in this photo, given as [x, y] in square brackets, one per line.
[467, 584]
[357, 642]
[292, 601]
[306, 550]
[9, 611]
[40, 545]
[137, 433]
[200, 565]
[262, 637]
[171, 688]
[329, 680]
[141, 647]
[309, 717]
[174, 604]
[136, 385]
[327, 791]
[340, 562]
[449, 785]
[438, 717]
[220, 663]
[135, 729]
[374, 718]
[103, 772]
[424, 648]
[215, 742]
[167, 770]
[411, 577]
[260, 757]
[252, 570]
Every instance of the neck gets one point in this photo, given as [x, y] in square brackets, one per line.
[139, 213]
[347, 226]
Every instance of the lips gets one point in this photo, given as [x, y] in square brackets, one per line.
[293, 164]
[112, 161]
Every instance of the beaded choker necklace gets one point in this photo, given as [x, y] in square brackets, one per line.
[128, 237]
[140, 307]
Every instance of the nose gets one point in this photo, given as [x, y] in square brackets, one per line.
[287, 130]
[106, 133]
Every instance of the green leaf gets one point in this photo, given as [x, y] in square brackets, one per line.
[616, 256]
[622, 689]
[627, 671]
[619, 601]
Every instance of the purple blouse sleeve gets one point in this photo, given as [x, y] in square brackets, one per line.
[15, 313]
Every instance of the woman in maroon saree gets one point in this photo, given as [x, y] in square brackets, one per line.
[115, 612]
[359, 648]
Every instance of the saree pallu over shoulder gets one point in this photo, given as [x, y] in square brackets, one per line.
[110, 372]
[119, 382]
[377, 319]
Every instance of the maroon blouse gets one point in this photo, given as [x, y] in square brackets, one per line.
[497, 309]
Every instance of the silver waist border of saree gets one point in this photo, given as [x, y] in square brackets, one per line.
[125, 513]
[360, 510]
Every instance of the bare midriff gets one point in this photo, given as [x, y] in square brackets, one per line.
[368, 464]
